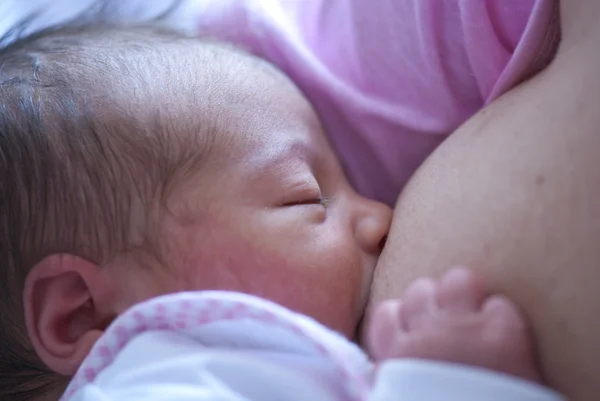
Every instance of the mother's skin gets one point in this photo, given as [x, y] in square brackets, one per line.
[515, 192]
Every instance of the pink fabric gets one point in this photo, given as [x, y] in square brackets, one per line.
[391, 79]
[190, 312]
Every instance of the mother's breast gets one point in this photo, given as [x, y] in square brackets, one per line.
[514, 192]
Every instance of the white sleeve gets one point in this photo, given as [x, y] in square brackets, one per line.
[420, 380]
[165, 366]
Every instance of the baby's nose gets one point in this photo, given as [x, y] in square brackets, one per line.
[373, 225]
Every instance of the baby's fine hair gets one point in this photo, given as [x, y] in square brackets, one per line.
[79, 172]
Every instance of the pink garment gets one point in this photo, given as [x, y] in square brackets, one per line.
[392, 78]
[228, 320]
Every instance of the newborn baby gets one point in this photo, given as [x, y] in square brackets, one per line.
[138, 163]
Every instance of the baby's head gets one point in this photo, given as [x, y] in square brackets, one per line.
[136, 162]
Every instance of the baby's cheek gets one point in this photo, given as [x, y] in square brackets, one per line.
[316, 282]
[319, 290]
[332, 297]
[227, 266]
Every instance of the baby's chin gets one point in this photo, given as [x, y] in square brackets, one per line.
[360, 331]
[365, 303]
[357, 336]
[361, 318]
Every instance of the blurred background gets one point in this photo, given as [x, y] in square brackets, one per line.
[50, 12]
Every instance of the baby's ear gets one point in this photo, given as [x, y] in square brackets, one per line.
[67, 303]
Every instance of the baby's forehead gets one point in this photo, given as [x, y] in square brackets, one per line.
[205, 79]
[197, 104]
[211, 88]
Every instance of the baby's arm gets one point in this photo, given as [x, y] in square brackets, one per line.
[445, 332]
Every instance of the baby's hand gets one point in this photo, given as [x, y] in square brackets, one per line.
[454, 320]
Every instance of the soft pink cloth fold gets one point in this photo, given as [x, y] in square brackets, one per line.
[390, 78]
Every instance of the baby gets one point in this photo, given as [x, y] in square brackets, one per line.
[136, 163]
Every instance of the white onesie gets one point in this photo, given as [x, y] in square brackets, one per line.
[224, 346]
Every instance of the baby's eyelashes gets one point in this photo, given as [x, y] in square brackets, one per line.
[323, 201]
